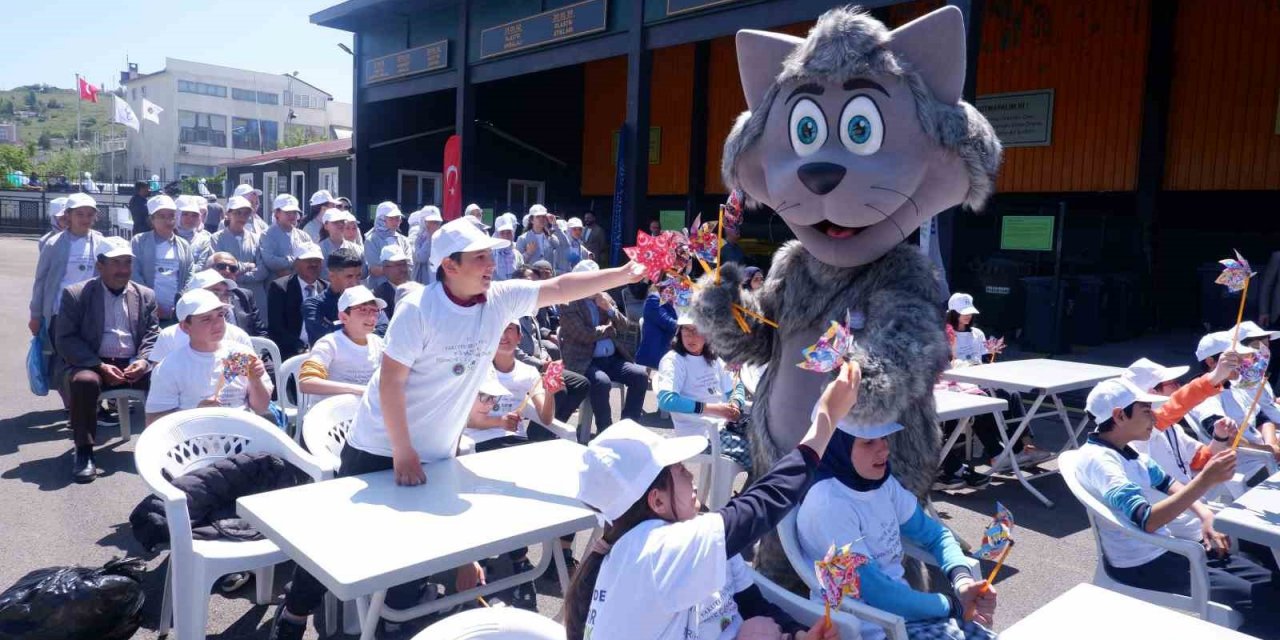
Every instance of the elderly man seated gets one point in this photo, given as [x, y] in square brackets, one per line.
[104, 333]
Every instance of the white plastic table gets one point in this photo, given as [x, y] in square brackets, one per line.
[362, 535]
[956, 405]
[1047, 379]
[1255, 516]
[1088, 611]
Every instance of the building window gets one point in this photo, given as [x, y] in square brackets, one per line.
[241, 94]
[257, 135]
[248, 95]
[270, 185]
[202, 128]
[522, 194]
[246, 178]
[195, 170]
[268, 98]
[329, 180]
[303, 100]
[217, 91]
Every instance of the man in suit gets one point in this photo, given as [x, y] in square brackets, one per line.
[589, 332]
[595, 238]
[105, 329]
[286, 298]
[161, 258]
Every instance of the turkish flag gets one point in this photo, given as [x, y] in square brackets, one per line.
[88, 91]
[452, 178]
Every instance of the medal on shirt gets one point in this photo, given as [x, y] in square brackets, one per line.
[459, 369]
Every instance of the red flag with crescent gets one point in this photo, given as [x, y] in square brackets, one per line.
[452, 178]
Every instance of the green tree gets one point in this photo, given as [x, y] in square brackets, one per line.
[43, 142]
[31, 100]
[6, 107]
[296, 136]
[14, 158]
[67, 162]
[53, 103]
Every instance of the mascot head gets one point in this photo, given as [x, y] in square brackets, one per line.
[856, 135]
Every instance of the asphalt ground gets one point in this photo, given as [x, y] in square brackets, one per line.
[46, 520]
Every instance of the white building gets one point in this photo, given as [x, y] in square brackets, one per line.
[9, 132]
[214, 115]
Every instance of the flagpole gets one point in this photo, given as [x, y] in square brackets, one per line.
[79, 99]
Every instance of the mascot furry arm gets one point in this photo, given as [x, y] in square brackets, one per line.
[855, 136]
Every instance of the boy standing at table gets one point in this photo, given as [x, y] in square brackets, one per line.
[439, 348]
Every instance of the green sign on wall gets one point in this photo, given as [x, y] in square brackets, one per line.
[486, 214]
[671, 220]
[1026, 233]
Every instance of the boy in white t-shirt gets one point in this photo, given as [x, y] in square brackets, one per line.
[344, 361]
[207, 372]
[438, 349]
[493, 422]
[1138, 490]
[174, 337]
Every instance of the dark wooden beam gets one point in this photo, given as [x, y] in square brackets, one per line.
[465, 108]
[698, 129]
[636, 126]
[972, 12]
[1155, 128]
[359, 133]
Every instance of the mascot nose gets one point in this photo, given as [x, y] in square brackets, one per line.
[821, 177]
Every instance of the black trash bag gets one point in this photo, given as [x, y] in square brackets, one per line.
[75, 603]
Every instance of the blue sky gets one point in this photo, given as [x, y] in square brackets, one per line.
[272, 36]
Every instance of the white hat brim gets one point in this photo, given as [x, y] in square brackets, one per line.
[1172, 373]
[678, 449]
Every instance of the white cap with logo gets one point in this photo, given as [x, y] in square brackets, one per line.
[586, 265]
[196, 302]
[77, 200]
[1217, 342]
[857, 430]
[431, 213]
[392, 253]
[473, 209]
[575, 223]
[208, 278]
[57, 208]
[322, 197]
[356, 295]
[388, 209]
[538, 210]
[504, 225]
[338, 215]
[285, 202]
[307, 251]
[160, 203]
[246, 189]
[189, 204]
[961, 303]
[114, 247]
[460, 236]
[1116, 393]
[1248, 330]
[1146, 375]
[238, 202]
[620, 464]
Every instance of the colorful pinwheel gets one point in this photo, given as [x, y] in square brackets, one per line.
[1235, 273]
[998, 536]
[838, 576]
[676, 289]
[654, 252]
[831, 350]
[553, 377]
[236, 364]
[993, 346]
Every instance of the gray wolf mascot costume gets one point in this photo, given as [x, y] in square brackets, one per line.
[855, 136]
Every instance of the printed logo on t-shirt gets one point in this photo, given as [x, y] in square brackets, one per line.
[464, 356]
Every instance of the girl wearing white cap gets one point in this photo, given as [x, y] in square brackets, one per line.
[694, 386]
[191, 210]
[429, 222]
[321, 202]
[538, 243]
[856, 501]
[57, 221]
[969, 346]
[283, 239]
[161, 259]
[333, 236]
[385, 231]
[660, 570]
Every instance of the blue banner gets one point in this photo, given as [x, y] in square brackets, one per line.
[619, 186]
[428, 57]
[571, 21]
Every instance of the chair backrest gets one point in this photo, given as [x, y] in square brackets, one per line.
[328, 425]
[284, 372]
[790, 538]
[264, 346]
[506, 623]
[187, 440]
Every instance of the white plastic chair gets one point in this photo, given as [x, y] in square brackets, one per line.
[265, 346]
[586, 417]
[328, 425]
[718, 471]
[894, 625]
[1197, 604]
[289, 370]
[806, 612]
[505, 623]
[177, 444]
[123, 399]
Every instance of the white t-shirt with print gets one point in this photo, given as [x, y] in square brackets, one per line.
[970, 345]
[1102, 469]
[346, 361]
[172, 338]
[166, 278]
[668, 581]
[518, 381]
[869, 521]
[448, 349]
[80, 266]
[693, 377]
[186, 377]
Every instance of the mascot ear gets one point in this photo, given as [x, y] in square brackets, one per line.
[934, 45]
[760, 57]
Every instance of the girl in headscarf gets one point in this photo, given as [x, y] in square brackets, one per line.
[752, 278]
[385, 231]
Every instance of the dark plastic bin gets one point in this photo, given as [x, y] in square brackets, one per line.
[1038, 321]
[1086, 317]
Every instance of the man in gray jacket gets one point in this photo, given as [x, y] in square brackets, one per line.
[67, 259]
[241, 241]
[161, 258]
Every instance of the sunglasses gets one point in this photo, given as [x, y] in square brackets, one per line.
[233, 268]
[487, 399]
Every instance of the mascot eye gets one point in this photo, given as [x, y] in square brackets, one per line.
[808, 127]
[861, 129]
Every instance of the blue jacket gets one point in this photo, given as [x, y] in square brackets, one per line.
[659, 330]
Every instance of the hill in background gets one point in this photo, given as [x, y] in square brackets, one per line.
[42, 109]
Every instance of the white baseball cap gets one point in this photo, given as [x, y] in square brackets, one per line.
[114, 247]
[208, 278]
[334, 215]
[505, 225]
[196, 302]
[473, 208]
[286, 202]
[586, 265]
[431, 213]
[1217, 342]
[392, 253]
[57, 208]
[322, 197]
[510, 217]
[238, 202]
[1116, 393]
[388, 209]
[460, 236]
[620, 464]
[189, 204]
[538, 210]
[246, 189]
[492, 386]
[358, 294]
[864, 431]
[77, 200]
[683, 318]
[307, 251]
[1249, 330]
[160, 203]
[1146, 375]
[575, 223]
[961, 303]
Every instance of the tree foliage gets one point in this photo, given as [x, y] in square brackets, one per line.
[14, 158]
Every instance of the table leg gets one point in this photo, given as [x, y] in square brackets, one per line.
[955, 436]
[1008, 441]
[370, 612]
[1073, 439]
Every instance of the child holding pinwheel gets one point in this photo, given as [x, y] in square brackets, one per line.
[663, 571]
[856, 501]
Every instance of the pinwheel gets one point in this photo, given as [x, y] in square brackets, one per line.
[832, 349]
[997, 541]
[838, 577]
[1235, 276]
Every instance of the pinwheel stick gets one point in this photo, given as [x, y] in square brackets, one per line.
[720, 247]
[750, 313]
[993, 358]
[1244, 293]
[1248, 415]
[529, 396]
[991, 578]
